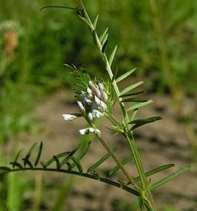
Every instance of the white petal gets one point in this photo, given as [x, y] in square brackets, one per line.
[105, 97]
[97, 100]
[95, 88]
[102, 90]
[97, 131]
[101, 86]
[80, 104]
[98, 92]
[97, 114]
[103, 106]
[92, 85]
[83, 131]
[89, 91]
[86, 101]
[69, 117]
[89, 130]
[90, 116]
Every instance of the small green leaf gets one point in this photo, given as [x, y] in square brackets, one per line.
[170, 177]
[99, 162]
[77, 164]
[156, 170]
[71, 66]
[132, 99]
[26, 159]
[131, 87]
[96, 21]
[132, 94]
[139, 105]
[15, 163]
[113, 55]
[60, 155]
[31, 150]
[38, 154]
[140, 122]
[104, 44]
[102, 37]
[68, 156]
[58, 166]
[115, 169]
[80, 12]
[125, 75]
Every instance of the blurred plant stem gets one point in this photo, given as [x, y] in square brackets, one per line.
[63, 195]
[177, 93]
[165, 64]
[38, 192]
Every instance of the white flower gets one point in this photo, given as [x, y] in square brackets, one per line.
[97, 100]
[89, 130]
[89, 91]
[69, 117]
[80, 104]
[97, 114]
[95, 88]
[103, 106]
[93, 101]
[86, 100]
[90, 116]
[103, 93]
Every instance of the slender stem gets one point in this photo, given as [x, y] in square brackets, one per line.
[38, 192]
[166, 69]
[119, 164]
[86, 175]
[145, 190]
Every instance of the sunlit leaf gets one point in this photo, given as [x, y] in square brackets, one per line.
[132, 94]
[96, 21]
[113, 55]
[104, 43]
[131, 87]
[105, 33]
[139, 105]
[125, 75]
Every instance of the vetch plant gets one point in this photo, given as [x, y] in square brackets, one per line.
[96, 99]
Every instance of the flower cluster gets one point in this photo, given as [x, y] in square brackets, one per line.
[92, 104]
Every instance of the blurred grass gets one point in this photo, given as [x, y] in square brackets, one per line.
[160, 40]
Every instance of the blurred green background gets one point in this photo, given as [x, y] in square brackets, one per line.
[156, 36]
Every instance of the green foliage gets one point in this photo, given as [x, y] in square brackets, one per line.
[97, 101]
[45, 43]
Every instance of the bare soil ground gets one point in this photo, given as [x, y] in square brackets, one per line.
[163, 142]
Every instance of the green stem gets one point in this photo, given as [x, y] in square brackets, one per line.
[119, 164]
[145, 190]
